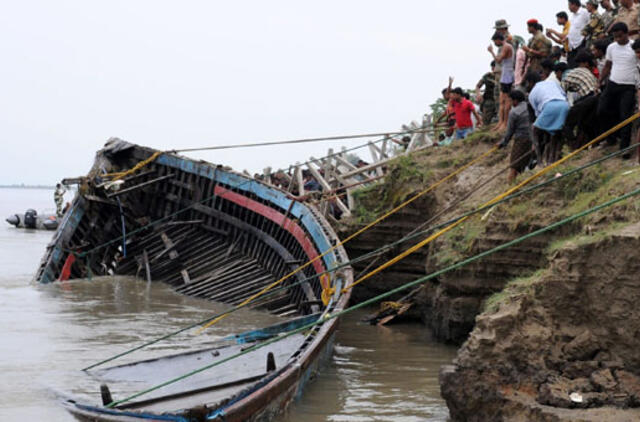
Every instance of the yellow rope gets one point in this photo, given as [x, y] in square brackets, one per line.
[141, 164]
[434, 236]
[394, 306]
[349, 238]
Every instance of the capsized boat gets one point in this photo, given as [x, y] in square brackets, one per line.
[215, 234]
[30, 219]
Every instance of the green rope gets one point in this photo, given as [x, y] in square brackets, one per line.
[380, 297]
[368, 255]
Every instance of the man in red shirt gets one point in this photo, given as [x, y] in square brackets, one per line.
[463, 109]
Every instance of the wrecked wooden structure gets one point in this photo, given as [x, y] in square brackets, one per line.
[337, 177]
[214, 234]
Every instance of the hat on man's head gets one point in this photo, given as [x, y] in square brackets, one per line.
[501, 24]
[532, 22]
[595, 3]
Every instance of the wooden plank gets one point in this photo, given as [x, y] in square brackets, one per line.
[169, 245]
[185, 276]
[326, 186]
[374, 154]
[299, 180]
[145, 260]
[141, 185]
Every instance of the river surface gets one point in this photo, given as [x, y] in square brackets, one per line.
[49, 332]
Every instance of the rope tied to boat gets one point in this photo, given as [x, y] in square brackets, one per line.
[357, 233]
[406, 286]
[386, 306]
[377, 252]
[122, 174]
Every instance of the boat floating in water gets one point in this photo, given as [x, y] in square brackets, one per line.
[215, 234]
[30, 219]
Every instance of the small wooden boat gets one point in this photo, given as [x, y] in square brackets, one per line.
[214, 234]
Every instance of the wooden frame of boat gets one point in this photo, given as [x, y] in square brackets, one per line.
[214, 234]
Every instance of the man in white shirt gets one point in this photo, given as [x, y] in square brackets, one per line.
[618, 100]
[578, 19]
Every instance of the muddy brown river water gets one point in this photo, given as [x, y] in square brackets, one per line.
[49, 332]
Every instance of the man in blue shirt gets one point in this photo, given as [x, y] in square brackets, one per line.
[549, 103]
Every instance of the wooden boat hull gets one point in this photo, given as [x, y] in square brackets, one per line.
[220, 236]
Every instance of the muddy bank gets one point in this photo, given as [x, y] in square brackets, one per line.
[548, 327]
[560, 345]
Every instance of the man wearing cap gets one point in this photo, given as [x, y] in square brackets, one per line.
[539, 46]
[579, 19]
[628, 14]
[507, 59]
[501, 26]
[595, 28]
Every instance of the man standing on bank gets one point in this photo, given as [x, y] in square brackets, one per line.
[485, 99]
[550, 105]
[463, 109]
[506, 59]
[618, 100]
[518, 128]
[578, 19]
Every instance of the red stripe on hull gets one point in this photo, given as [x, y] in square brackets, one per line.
[278, 218]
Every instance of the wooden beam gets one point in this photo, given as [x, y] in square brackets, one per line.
[169, 245]
[299, 180]
[141, 185]
[145, 260]
[326, 186]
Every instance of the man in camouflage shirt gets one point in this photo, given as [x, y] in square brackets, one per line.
[628, 14]
[538, 48]
[608, 16]
[487, 99]
[595, 28]
[58, 197]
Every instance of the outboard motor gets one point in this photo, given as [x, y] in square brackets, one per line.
[14, 220]
[30, 219]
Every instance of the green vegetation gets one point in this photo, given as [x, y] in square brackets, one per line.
[404, 177]
[517, 287]
[568, 196]
[457, 243]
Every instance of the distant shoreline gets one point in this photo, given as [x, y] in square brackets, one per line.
[26, 187]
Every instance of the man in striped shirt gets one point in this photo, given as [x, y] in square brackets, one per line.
[581, 87]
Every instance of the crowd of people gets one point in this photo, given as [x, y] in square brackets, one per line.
[561, 87]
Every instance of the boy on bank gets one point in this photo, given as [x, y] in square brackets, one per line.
[463, 109]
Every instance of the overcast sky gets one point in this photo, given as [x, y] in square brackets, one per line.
[178, 74]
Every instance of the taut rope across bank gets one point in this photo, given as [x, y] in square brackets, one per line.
[493, 201]
[378, 298]
[298, 141]
[376, 252]
[411, 236]
[364, 229]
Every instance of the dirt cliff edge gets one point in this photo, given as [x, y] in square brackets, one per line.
[563, 344]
